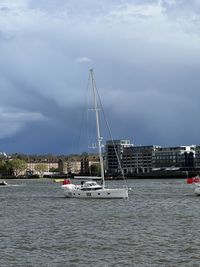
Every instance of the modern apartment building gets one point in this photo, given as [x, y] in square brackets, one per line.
[138, 159]
[197, 157]
[114, 153]
[144, 159]
[169, 157]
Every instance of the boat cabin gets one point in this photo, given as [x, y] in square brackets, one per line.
[90, 185]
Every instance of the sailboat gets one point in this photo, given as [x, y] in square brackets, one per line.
[90, 188]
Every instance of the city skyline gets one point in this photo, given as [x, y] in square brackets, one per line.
[146, 60]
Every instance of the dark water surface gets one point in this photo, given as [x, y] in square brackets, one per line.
[159, 225]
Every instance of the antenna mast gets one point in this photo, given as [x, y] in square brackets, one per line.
[99, 138]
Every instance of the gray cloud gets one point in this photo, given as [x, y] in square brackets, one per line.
[146, 59]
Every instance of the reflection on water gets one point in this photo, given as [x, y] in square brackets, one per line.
[157, 226]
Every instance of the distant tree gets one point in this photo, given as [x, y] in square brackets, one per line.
[40, 168]
[17, 166]
[95, 169]
[54, 169]
[6, 168]
[2, 167]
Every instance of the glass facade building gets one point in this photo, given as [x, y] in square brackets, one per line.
[144, 159]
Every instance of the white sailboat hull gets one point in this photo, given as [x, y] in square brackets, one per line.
[107, 193]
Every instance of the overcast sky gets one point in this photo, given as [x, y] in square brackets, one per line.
[146, 57]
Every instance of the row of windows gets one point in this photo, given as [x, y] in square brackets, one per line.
[88, 194]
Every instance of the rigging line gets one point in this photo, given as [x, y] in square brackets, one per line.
[83, 113]
[110, 133]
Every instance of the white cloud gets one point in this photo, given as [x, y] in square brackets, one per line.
[83, 59]
[19, 115]
[13, 120]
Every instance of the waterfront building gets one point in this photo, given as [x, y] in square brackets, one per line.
[144, 159]
[114, 153]
[138, 159]
[62, 166]
[197, 157]
[39, 164]
[170, 157]
[87, 161]
[79, 164]
[74, 165]
[3, 155]
[133, 160]
[70, 165]
[40, 167]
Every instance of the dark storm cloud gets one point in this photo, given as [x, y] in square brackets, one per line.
[146, 58]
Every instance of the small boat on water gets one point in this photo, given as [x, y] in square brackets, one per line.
[196, 181]
[58, 180]
[3, 183]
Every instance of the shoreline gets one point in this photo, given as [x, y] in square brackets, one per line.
[150, 175]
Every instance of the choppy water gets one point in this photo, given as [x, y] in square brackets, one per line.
[159, 225]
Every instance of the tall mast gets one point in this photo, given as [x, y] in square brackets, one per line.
[99, 138]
